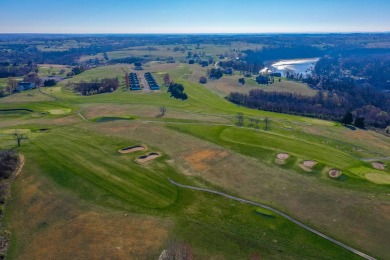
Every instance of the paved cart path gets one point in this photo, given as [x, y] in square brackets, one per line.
[277, 212]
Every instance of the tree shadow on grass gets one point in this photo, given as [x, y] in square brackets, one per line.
[350, 127]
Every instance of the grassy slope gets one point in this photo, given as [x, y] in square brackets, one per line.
[89, 165]
[91, 168]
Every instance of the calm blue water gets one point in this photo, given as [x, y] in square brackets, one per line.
[297, 65]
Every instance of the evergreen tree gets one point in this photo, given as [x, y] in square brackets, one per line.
[359, 122]
[347, 119]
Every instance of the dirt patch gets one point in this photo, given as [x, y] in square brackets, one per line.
[203, 159]
[378, 165]
[148, 157]
[334, 173]
[21, 164]
[132, 149]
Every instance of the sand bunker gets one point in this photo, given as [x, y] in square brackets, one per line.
[308, 165]
[334, 173]
[59, 111]
[132, 149]
[378, 165]
[148, 157]
[282, 156]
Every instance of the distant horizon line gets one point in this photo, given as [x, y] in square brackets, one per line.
[194, 33]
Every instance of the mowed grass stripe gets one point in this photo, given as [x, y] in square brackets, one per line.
[279, 143]
[66, 158]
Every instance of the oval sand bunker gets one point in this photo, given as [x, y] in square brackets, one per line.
[334, 173]
[378, 165]
[148, 157]
[132, 149]
[283, 156]
[309, 164]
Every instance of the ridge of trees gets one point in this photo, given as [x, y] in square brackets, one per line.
[325, 105]
[97, 86]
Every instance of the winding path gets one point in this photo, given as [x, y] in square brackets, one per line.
[81, 116]
[279, 213]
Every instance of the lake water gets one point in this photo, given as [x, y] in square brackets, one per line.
[297, 65]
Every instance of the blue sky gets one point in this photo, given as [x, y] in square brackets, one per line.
[198, 16]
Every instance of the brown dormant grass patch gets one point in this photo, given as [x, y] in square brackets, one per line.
[202, 159]
[50, 223]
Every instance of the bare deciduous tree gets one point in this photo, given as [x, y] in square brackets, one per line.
[19, 137]
[167, 79]
[11, 85]
[257, 121]
[267, 123]
[178, 250]
[163, 110]
[251, 120]
[240, 119]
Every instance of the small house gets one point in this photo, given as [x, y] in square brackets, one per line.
[22, 86]
[276, 74]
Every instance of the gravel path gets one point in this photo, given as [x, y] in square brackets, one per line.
[279, 213]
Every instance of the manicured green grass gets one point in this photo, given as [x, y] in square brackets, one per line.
[90, 165]
[220, 227]
[265, 145]
[298, 147]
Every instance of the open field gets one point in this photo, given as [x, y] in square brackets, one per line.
[83, 199]
[46, 70]
[166, 51]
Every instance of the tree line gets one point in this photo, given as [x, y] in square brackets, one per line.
[97, 86]
[243, 66]
[370, 70]
[15, 70]
[324, 105]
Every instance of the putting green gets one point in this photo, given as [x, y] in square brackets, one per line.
[59, 111]
[11, 131]
[378, 178]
